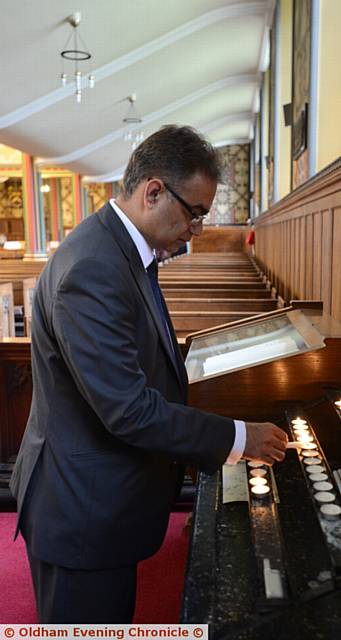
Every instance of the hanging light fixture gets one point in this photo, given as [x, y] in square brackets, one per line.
[132, 134]
[76, 55]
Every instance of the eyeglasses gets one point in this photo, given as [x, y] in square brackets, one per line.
[197, 213]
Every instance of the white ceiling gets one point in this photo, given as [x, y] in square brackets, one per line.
[196, 62]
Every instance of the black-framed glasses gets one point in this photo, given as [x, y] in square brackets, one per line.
[197, 213]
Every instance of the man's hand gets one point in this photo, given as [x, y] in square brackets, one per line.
[265, 442]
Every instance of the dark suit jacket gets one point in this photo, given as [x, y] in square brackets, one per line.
[108, 416]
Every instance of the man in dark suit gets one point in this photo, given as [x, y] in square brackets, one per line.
[96, 474]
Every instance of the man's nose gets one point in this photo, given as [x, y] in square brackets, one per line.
[196, 229]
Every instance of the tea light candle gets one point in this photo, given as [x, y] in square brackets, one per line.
[257, 481]
[330, 511]
[258, 472]
[315, 468]
[300, 432]
[304, 437]
[323, 486]
[298, 421]
[338, 403]
[254, 465]
[318, 477]
[260, 490]
[324, 496]
[309, 453]
[311, 461]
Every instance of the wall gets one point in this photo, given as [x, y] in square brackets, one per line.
[264, 141]
[329, 84]
[285, 38]
[231, 203]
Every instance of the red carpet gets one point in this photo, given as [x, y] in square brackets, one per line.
[160, 579]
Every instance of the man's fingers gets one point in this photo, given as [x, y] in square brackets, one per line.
[278, 455]
[268, 460]
[266, 442]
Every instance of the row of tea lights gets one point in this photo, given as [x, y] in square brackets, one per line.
[323, 489]
[258, 479]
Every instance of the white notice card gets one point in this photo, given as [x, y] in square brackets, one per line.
[235, 487]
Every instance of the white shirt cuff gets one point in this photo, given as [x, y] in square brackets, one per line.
[239, 443]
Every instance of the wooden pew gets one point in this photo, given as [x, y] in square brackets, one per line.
[221, 304]
[209, 283]
[197, 276]
[186, 322]
[16, 271]
[198, 290]
[188, 293]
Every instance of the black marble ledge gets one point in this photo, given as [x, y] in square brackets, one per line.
[222, 586]
[200, 577]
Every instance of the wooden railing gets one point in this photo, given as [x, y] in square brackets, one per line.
[298, 241]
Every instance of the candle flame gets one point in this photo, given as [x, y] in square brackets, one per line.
[260, 489]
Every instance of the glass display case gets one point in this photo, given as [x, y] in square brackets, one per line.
[250, 342]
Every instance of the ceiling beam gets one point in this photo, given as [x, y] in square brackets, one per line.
[153, 117]
[222, 122]
[237, 10]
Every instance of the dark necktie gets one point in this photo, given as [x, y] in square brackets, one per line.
[152, 272]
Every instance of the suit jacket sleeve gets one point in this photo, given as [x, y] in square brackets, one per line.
[92, 318]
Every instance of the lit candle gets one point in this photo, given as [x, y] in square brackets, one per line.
[254, 465]
[338, 403]
[324, 496]
[304, 437]
[257, 481]
[300, 434]
[298, 421]
[310, 445]
[330, 511]
[258, 472]
[310, 454]
[260, 490]
[301, 428]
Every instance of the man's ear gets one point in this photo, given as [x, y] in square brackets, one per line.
[152, 192]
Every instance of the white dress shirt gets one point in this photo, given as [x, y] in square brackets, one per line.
[147, 256]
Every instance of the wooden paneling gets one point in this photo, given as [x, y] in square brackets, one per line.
[301, 258]
[15, 393]
[298, 242]
[327, 239]
[336, 263]
[317, 254]
[309, 256]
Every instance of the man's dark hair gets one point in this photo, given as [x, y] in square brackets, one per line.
[173, 154]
